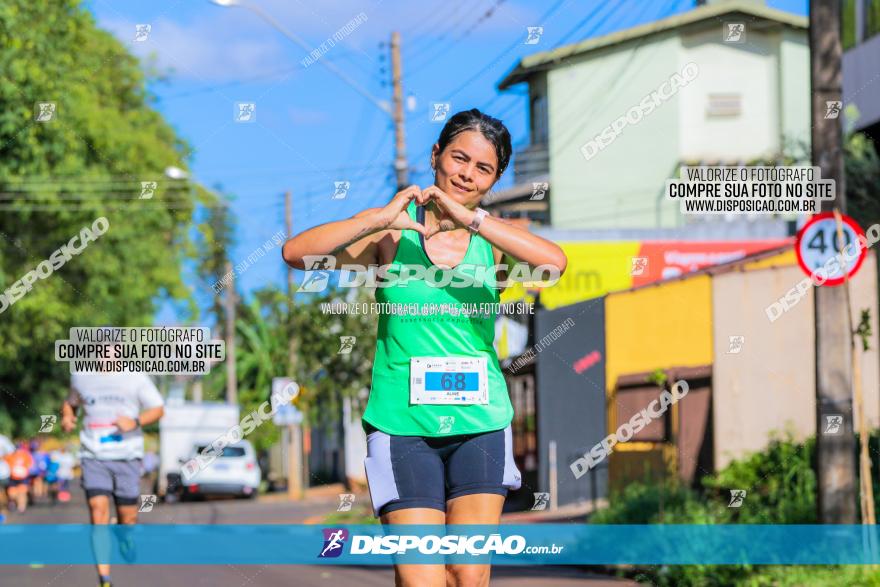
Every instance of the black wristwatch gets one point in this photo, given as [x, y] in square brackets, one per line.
[137, 422]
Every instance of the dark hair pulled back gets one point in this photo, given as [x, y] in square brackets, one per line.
[491, 128]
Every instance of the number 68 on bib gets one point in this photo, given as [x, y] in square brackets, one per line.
[448, 380]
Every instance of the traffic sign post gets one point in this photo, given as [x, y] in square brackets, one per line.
[287, 415]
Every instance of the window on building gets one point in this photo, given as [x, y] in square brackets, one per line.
[848, 24]
[540, 132]
[871, 10]
[724, 105]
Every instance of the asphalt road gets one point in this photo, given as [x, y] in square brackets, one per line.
[245, 512]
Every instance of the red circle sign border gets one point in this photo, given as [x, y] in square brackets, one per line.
[849, 221]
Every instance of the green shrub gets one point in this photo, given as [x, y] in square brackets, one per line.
[781, 487]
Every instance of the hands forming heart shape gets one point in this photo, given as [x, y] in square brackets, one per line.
[455, 214]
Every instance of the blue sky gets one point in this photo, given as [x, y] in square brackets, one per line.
[313, 129]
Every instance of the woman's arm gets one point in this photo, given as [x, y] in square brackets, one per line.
[522, 245]
[516, 242]
[352, 240]
[347, 239]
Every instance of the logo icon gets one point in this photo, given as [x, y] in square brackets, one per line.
[534, 34]
[44, 111]
[346, 500]
[147, 503]
[346, 344]
[334, 540]
[539, 190]
[446, 423]
[541, 501]
[318, 273]
[47, 422]
[832, 108]
[735, 344]
[440, 111]
[245, 112]
[737, 496]
[141, 32]
[639, 264]
[735, 32]
[148, 188]
[189, 469]
[341, 189]
[833, 424]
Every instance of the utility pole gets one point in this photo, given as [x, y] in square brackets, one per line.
[400, 165]
[835, 452]
[294, 431]
[231, 381]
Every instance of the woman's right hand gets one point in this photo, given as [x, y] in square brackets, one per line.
[394, 215]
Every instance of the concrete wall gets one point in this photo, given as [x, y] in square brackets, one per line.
[794, 90]
[657, 327]
[769, 385]
[747, 70]
[620, 185]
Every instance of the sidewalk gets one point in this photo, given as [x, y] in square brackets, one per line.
[320, 493]
[573, 513]
[325, 495]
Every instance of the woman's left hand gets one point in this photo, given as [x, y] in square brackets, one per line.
[457, 215]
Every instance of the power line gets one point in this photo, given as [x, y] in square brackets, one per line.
[430, 25]
[483, 18]
[618, 79]
[448, 29]
[281, 73]
[504, 53]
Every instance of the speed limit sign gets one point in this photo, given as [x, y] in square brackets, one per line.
[817, 243]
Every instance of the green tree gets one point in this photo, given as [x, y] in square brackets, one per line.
[56, 176]
[326, 375]
[862, 167]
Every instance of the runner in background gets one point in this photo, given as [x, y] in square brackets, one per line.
[51, 477]
[114, 406]
[20, 464]
[6, 447]
[37, 473]
[66, 463]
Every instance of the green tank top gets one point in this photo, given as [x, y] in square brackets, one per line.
[402, 336]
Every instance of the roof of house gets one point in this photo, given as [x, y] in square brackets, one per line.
[520, 190]
[550, 59]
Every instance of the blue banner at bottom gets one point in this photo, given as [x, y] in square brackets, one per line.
[533, 544]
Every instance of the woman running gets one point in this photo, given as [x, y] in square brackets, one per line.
[439, 447]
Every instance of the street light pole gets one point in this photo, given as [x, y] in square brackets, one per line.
[400, 166]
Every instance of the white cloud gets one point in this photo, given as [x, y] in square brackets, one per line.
[204, 51]
[226, 44]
